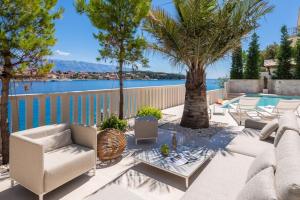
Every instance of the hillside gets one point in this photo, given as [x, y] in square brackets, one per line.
[80, 66]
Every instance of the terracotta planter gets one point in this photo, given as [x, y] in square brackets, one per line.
[111, 144]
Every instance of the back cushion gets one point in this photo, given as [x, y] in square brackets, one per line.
[287, 122]
[44, 131]
[261, 162]
[287, 176]
[55, 141]
[260, 187]
[269, 129]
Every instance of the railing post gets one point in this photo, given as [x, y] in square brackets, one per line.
[42, 109]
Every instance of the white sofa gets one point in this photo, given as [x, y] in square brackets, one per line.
[44, 158]
[225, 176]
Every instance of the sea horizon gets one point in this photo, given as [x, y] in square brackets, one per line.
[48, 87]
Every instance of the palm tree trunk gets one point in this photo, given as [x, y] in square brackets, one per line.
[195, 113]
[121, 104]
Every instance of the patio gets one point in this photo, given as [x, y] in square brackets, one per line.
[139, 179]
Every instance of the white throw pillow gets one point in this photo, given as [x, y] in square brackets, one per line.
[260, 187]
[269, 128]
[287, 122]
[261, 162]
[55, 141]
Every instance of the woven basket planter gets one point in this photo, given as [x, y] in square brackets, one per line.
[111, 144]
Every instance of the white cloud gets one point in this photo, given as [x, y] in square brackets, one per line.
[62, 53]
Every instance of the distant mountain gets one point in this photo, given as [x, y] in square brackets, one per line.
[79, 66]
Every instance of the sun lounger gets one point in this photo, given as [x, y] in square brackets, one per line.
[246, 105]
[282, 107]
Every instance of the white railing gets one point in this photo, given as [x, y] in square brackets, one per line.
[91, 107]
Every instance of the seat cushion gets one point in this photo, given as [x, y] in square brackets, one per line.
[267, 131]
[261, 162]
[114, 192]
[55, 141]
[221, 179]
[248, 146]
[66, 163]
[260, 187]
[287, 176]
[287, 122]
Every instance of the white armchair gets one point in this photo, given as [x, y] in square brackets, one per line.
[44, 158]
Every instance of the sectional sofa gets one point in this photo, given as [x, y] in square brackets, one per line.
[252, 169]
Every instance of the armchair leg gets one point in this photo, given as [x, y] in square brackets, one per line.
[12, 183]
[41, 196]
[94, 171]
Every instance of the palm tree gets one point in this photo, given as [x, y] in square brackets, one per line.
[200, 33]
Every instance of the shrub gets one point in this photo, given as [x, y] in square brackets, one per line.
[114, 122]
[149, 111]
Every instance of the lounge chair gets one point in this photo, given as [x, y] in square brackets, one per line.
[282, 107]
[44, 158]
[246, 105]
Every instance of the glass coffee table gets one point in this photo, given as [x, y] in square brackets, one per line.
[184, 162]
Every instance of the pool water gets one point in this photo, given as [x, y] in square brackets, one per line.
[267, 100]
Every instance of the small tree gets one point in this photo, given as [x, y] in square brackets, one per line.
[236, 71]
[297, 59]
[26, 33]
[270, 52]
[117, 22]
[283, 70]
[253, 59]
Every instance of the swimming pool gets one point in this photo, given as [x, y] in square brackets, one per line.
[266, 100]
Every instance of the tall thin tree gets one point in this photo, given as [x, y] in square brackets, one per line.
[236, 71]
[253, 59]
[198, 34]
[297, 59]
[117, 22]
[284, 57]
[26, 35]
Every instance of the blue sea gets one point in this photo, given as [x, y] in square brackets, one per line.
[46, 87]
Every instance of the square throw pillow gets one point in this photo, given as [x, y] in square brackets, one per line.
[260, 187]
[55, 141]
[287, 122]
[268, 129]
[261, 162]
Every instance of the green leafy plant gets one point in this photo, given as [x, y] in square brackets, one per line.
[165, 150]
[149, 111]
[27, 35]
[117, 23]
[197, 34]
[114, 122]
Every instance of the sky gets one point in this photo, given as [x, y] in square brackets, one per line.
[75, 39]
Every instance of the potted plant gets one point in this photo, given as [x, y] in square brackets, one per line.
[165, 150]
[146, 123]
[265, 90]
[111, 140]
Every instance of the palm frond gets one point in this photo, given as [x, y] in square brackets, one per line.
[203, 31]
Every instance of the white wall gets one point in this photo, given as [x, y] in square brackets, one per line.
[244, 86]
[286, 87]
[280, 87]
